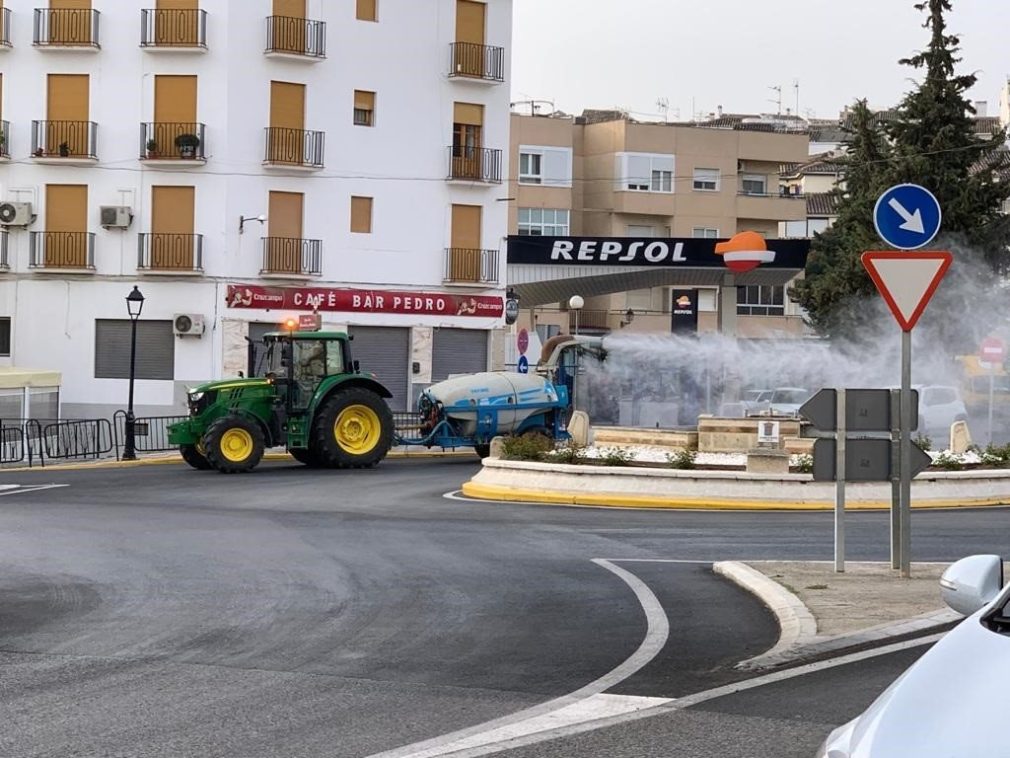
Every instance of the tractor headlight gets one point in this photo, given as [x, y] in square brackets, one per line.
[195, 397]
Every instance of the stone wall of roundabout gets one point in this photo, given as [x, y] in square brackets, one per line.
[648, 487]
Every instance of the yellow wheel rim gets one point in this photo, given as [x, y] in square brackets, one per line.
[357, 429]
[236, 445]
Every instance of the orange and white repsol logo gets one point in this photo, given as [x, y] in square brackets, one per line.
[593, 251]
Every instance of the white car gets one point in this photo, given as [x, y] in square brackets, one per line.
[939, 407]
[940, 706]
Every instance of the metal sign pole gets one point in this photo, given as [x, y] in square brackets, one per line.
[840, 481]
[895, 479]
[905, 517]
[992, 380]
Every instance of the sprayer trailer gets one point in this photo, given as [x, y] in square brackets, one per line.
[303, 392]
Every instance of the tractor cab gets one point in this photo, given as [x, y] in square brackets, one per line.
[298, 362]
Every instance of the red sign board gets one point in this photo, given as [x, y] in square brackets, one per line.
[363, 301]
[993, 350]
[311, 322]
[907, 280]
[523, 341]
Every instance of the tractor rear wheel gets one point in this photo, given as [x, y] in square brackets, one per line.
[306, 457]
[234, 444]
[353, 429]
[194, 457]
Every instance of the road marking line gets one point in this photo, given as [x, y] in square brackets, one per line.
[20, 489]
[567, 707]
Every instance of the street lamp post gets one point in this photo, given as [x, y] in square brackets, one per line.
[575, 303]
[134, 306]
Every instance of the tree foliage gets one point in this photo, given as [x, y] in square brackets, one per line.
[932, 141]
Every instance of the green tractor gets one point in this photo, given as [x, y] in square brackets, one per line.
[303, 392]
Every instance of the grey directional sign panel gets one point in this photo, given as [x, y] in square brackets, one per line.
[865, 410]
[866, 460]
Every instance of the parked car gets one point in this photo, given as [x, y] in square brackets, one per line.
[939, 407]
[939, 706]
[781, 401]
[756, 400]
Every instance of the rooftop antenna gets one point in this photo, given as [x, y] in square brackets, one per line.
[778, 100]
[796, 87]
[663, 104]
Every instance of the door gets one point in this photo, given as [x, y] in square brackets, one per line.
[66, 239]
[468, 123]
[470, 23]
[458, 351]
[174, 112]
[176, 22]
[385, 351]
[465, 246]
[288, 26]
[172, 242]
[69, 22]
[67, 115]
[286, 138]
[284, 245]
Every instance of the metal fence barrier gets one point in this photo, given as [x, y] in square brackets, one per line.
[150, 432]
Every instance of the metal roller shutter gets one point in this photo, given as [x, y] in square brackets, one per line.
[385, 352]
[458, 351]
[155, 349]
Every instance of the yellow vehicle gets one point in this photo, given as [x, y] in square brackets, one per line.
[975, 386]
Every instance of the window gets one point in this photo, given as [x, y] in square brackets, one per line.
[5, 337]
[549, 166]
[361, 215]
[705, 232]
[367, 11]
[761, 300]
[364, 108]
[640, 231]
[706, 179]
[547, 222]
[155, 349]
[754, 184]
[530, 168]
[645, 172]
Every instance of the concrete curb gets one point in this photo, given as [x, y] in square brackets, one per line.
[796, 623]
[798, 638]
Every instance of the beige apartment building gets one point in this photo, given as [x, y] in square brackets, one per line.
[604, 175]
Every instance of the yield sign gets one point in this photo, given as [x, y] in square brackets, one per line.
[907, 280]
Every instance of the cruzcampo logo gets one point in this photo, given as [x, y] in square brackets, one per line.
[745, 251]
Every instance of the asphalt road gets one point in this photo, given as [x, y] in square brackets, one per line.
[159, 611]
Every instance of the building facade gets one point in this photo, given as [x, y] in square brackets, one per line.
[242, 161]
[605, 175]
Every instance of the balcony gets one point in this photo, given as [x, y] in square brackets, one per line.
[5, 140]
[482, 63]
[294, 149]
[296, 38]
[163, 253]
[173, 30]
[474, 164]
[287, 257]
[61, 251]
[770, 207]
[470, 266]
[5, 29]
[173, 144]
[594, 321]
[66, 28]
[66, 142]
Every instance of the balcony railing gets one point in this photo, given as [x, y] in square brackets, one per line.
[477, 164]
[593, 320]
[172, 141]
[173, 27]
[296, 36]
[473, 61]
[4, 259]
[66, 27]
[291, 255]
[464, 265]
[294, 147]
[5, 139]
[66, 139]
[158, 251]
[5, 27]
[61, 250]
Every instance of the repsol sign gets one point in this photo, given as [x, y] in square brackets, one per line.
[637, 251]
[593, 251]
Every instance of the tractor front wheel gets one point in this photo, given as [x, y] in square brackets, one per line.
[353, 429]
[234, 444]
[194, 457]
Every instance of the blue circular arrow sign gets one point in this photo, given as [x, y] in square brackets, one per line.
[523, 366]
[907, 216]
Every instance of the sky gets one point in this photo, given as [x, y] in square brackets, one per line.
[699, 54]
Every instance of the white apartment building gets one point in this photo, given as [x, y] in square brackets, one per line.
[242, 161]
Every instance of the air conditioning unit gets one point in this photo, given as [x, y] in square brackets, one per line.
[188, 325]
[16, 214]
[116, 216]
